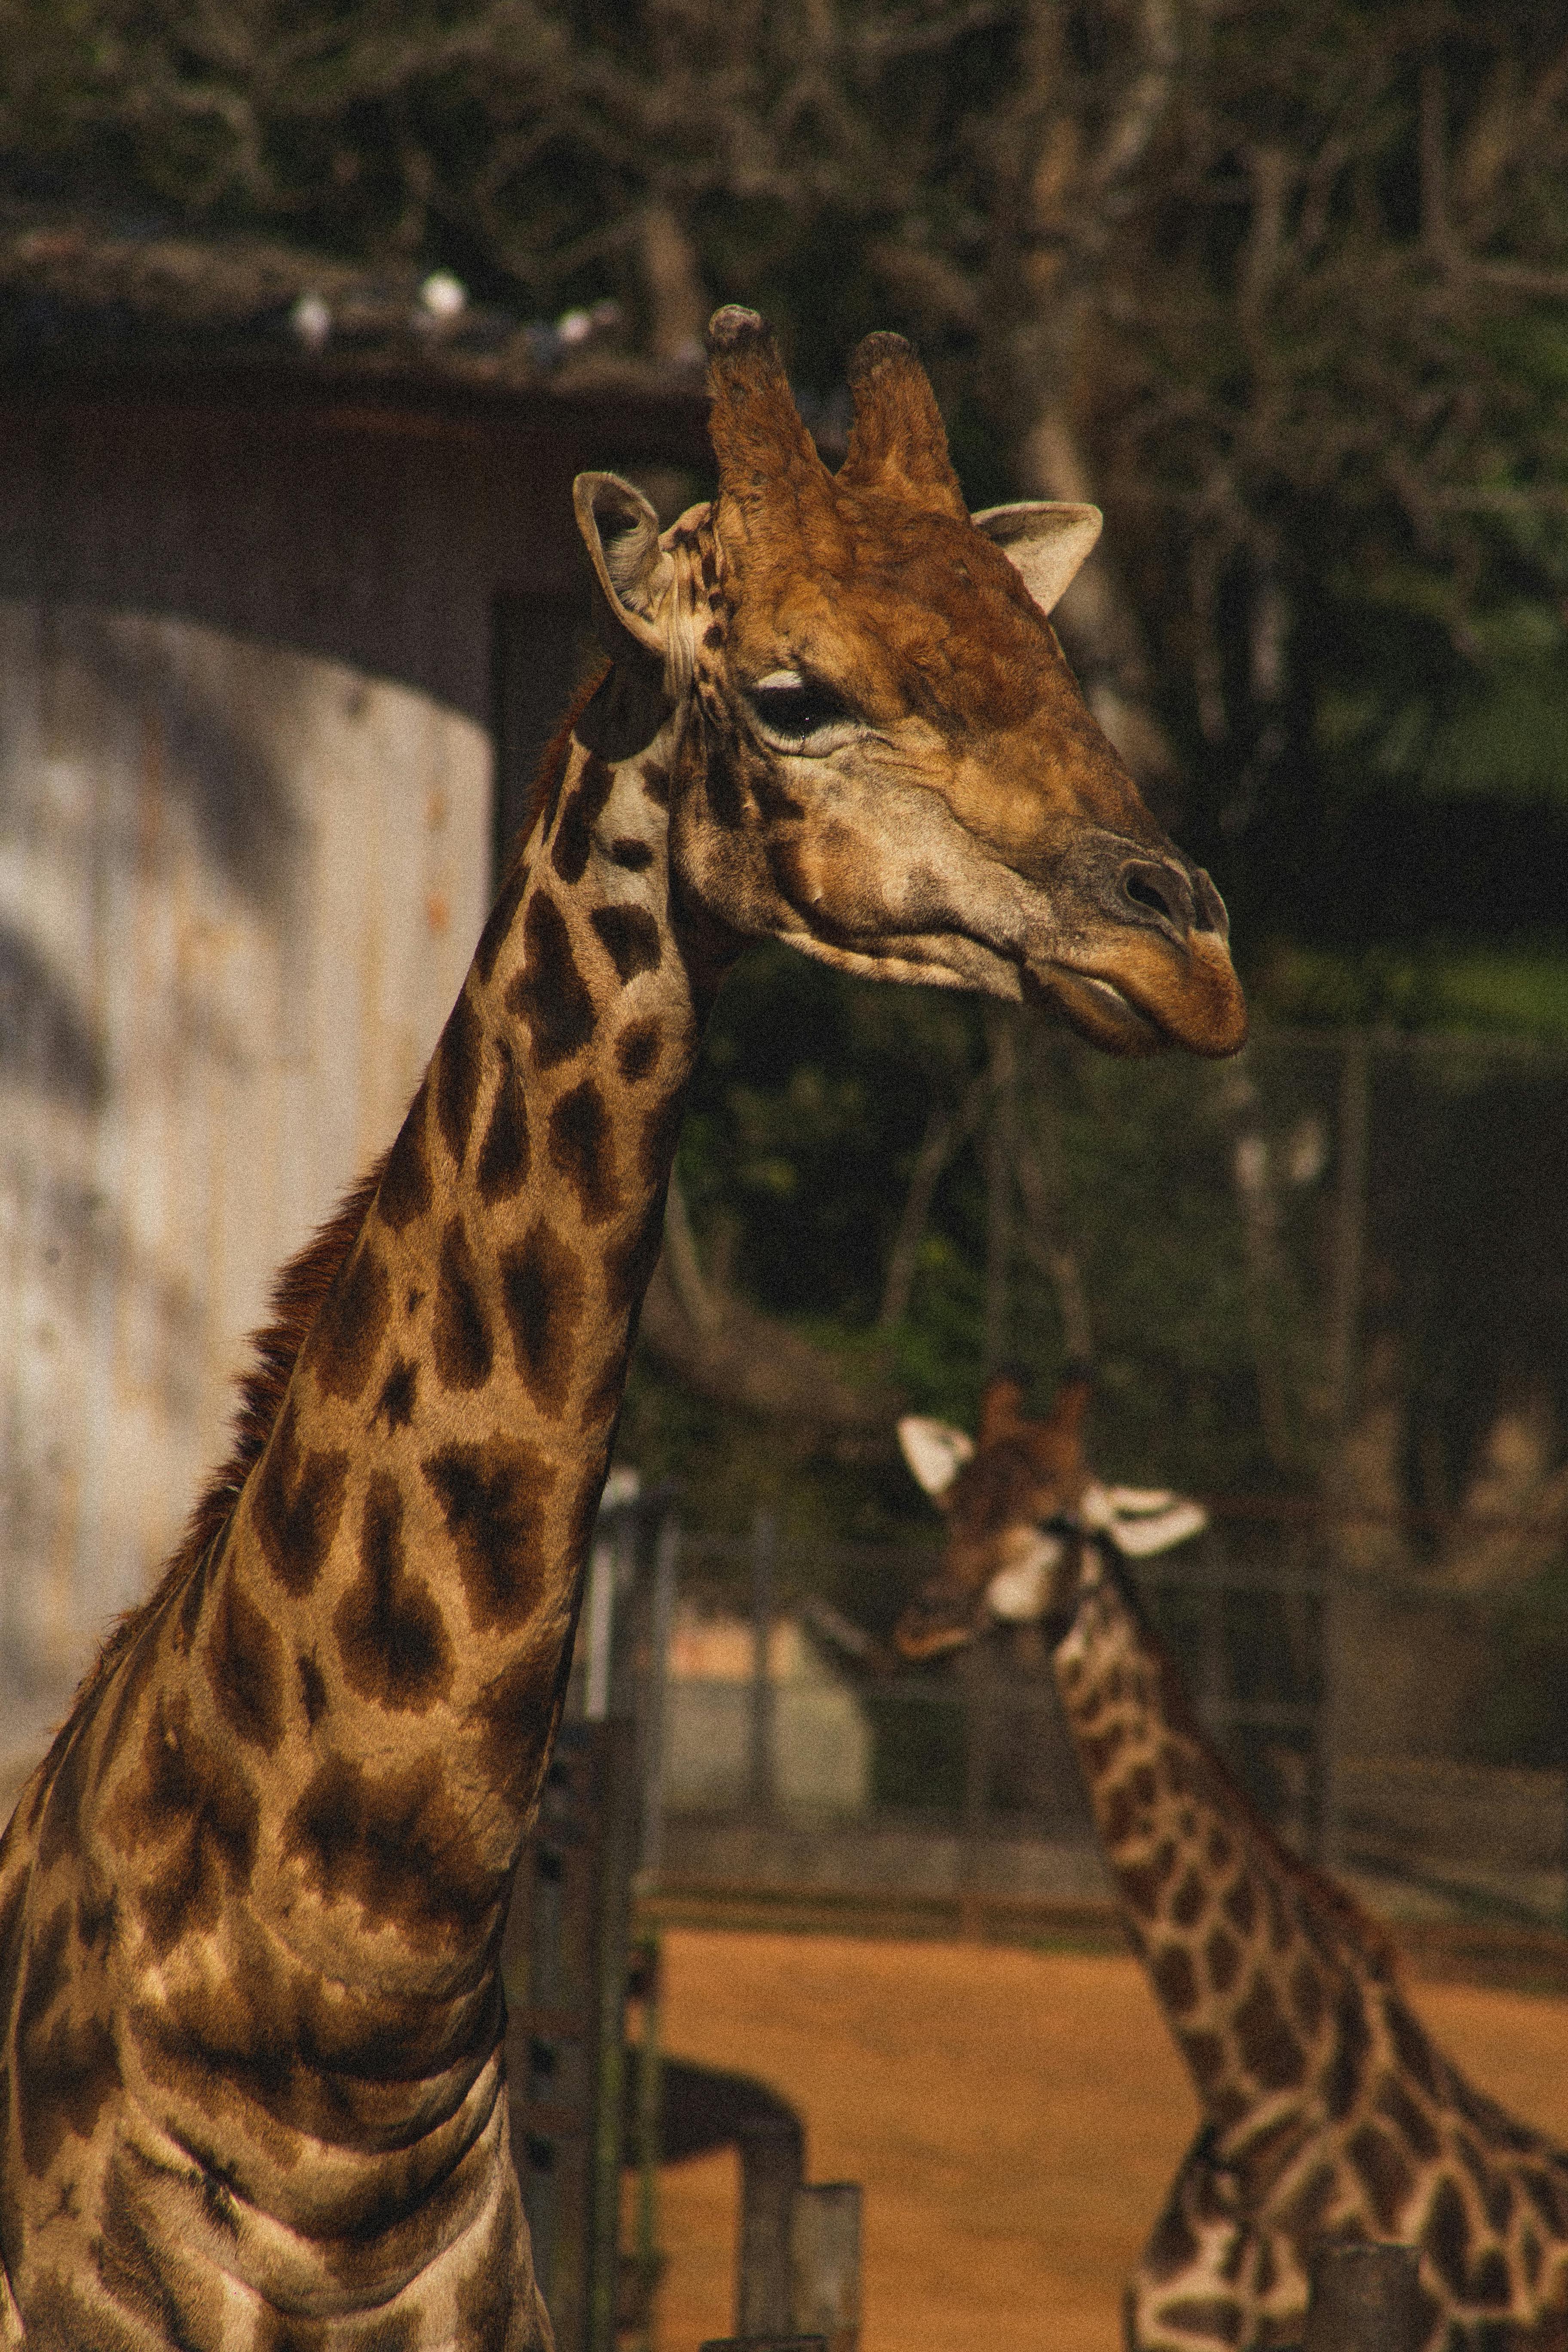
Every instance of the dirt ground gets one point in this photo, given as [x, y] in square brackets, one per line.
[1014, 2118]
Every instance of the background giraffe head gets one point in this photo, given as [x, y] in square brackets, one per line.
[886, 759]
[1020, 1499]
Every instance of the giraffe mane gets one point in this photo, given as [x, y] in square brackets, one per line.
[543, 792]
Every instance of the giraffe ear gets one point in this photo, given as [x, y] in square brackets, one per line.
[620, 531]
[934, 1450]
[1046, 540]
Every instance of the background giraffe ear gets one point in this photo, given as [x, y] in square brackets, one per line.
[935, 1451]
[1048, 541]
[620, 531]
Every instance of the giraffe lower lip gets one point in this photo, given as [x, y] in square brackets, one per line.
[1097, 1006]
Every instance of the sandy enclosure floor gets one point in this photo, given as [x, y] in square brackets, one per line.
[1014, 2116]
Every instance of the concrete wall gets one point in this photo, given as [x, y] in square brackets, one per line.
[238, 891]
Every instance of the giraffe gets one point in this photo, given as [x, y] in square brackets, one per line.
[252, 2094]
[1327, 2113]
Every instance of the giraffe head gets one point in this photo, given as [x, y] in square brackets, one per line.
[886, 760]
[1019, 1499]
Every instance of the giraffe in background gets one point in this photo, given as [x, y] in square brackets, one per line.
[251, 1902]
[1329, 2114]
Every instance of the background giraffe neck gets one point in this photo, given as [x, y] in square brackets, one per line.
[1262, 1967]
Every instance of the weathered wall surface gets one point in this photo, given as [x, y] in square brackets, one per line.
[238, 891]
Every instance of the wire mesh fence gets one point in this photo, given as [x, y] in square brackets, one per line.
[771, 1761]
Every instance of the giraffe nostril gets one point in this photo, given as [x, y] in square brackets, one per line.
[1159, 892]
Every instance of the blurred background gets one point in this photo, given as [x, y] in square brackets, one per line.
[310, 309]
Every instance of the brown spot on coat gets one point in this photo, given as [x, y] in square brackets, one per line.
[1409, 2039]
[1491, 2284]
[634, 857]
[1222, 1954]
[1140, 1887]
[394, 1405]
[1117, 1816]
[584, 807]
[244, 1667]
[1408, 2118]
[1270, 2051]
[404, 1190]
[492, 1497]
[395, 1845]
[502, 915]
[1176, 1981]
[1204, 2055]
[582, 1149]
[1301, 2219]
[1307, 1996]
[1353, 2040]
[1385, 2174]
[636, 1049]
[1447, 2237]
[630, 937]
[299, 1499]
[1189, 1901]
[348, 1332]
[1172, 2245]
[459, 1061]
[541, 1287]
[547, 993]
[197, 1807]
[504, 1153]
[1491, 2185]
[655, 783]
[1241, 1903]
[391, 1636]
[66, 2063]
[461, 1337]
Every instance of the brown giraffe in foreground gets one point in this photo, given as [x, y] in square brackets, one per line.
[251, 1902]
[1327, 2113]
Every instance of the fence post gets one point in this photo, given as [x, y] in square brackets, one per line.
[772, 2161]
[764, 1538]
[1365, 2299]
[825, 2260]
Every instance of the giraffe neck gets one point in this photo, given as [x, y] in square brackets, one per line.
[290, 1810]
[1262, 1969]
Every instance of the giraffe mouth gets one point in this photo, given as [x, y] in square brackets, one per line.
[1097, 1010]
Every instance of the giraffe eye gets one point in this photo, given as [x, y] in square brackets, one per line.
[796, 710]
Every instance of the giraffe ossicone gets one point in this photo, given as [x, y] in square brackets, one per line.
[250, 1903]
[1329, 2113]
